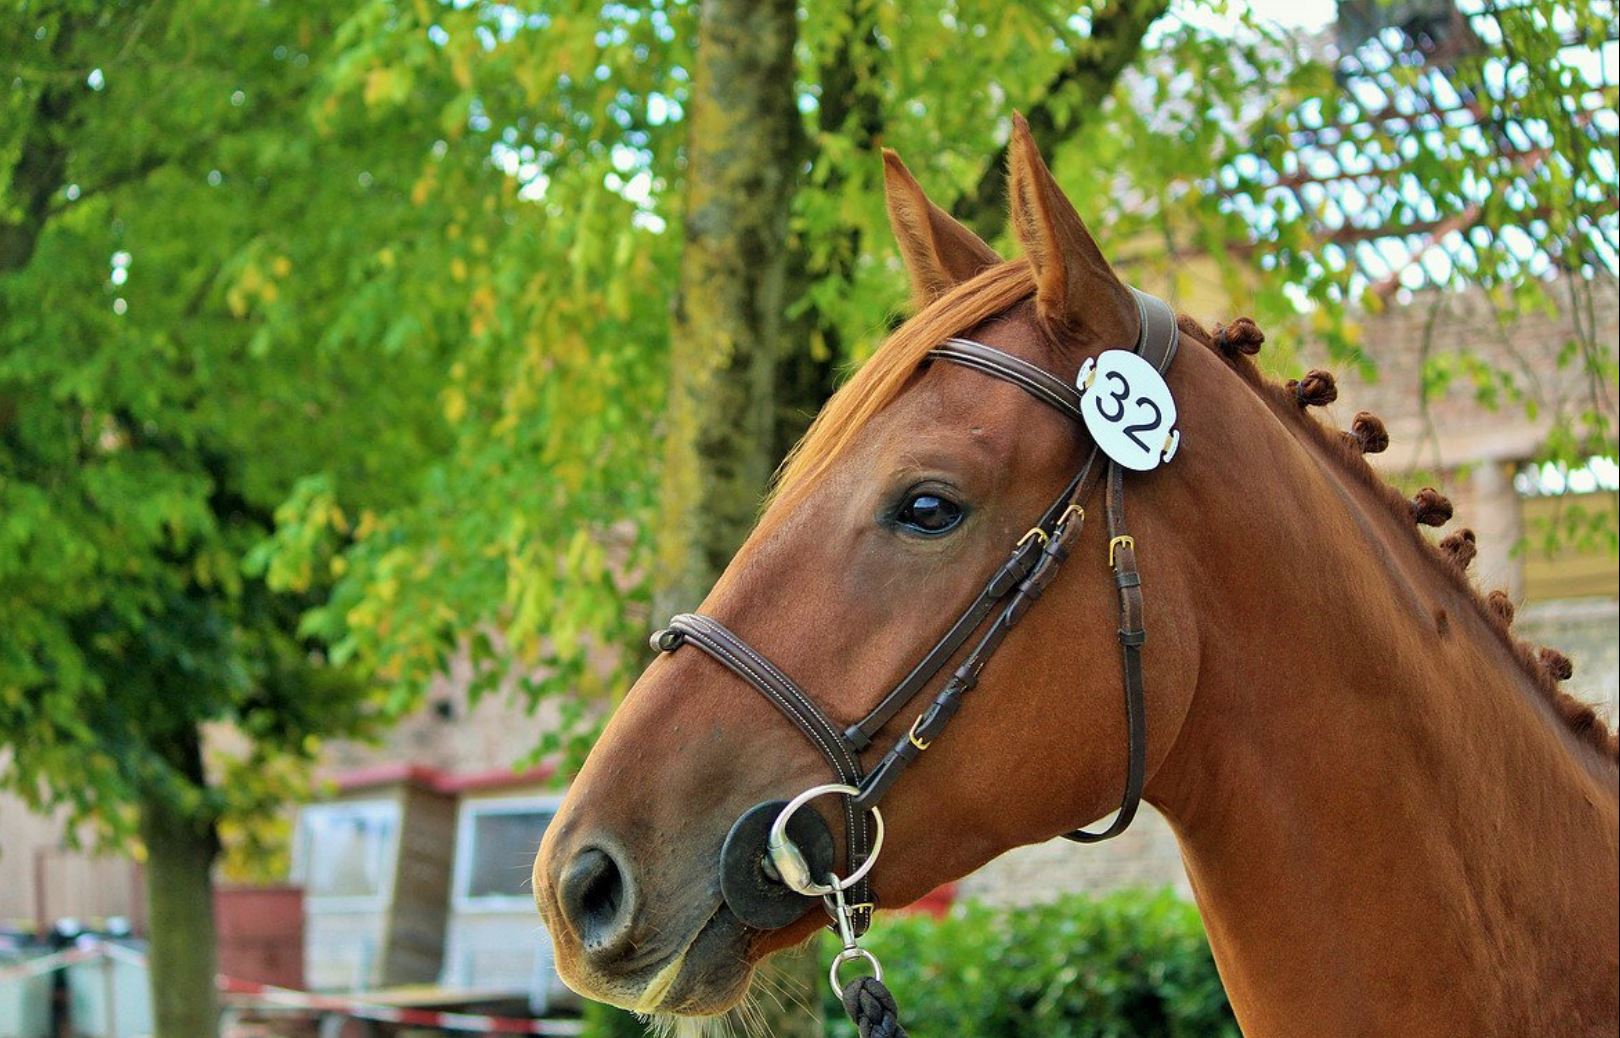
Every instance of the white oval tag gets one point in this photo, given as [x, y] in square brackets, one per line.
[1128, 409]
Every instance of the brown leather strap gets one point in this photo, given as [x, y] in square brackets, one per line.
[741, 659]
[1132, 635]
[1158, 336]
[1047, 388]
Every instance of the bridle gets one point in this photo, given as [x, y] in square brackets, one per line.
[774, 853]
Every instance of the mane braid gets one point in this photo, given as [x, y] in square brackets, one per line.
[1545, 668]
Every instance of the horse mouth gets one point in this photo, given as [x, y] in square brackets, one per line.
[708, 976]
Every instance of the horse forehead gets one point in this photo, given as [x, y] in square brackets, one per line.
[991, 411]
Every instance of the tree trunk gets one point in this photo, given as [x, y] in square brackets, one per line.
[180, 854]
[744, 144]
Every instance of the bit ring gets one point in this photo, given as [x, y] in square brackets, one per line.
[788, 859]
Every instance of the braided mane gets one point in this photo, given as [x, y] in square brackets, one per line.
[1236, 343]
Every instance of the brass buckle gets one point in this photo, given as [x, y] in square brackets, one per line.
[1033, 532]
[912, 735]
[1124, 540]
[1073, 512]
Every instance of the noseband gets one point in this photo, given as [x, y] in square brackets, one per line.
[772, 857]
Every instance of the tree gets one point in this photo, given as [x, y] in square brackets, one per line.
[201, 276]
[743, 148]
[542, 527]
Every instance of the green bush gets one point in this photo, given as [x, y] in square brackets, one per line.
[1133, 964]
[604, 1021]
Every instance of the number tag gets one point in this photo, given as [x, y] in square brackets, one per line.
[1128, 409]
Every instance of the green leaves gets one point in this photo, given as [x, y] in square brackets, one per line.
[1132, 964]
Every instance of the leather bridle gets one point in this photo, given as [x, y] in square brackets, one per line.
[1014, 587]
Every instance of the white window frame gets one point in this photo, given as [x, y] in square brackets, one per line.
[461, 877]
[374, 809]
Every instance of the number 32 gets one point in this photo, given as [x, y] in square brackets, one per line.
[1142, 402]
[1128, 409]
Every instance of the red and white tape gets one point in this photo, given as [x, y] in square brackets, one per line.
[49, 963]
[250, 995]
[245, 994]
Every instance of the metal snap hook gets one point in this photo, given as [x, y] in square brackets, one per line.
[839, 909]
[788, 859]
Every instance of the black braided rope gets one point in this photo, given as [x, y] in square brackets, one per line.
[872, 1008]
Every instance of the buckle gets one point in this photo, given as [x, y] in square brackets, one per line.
[1033, 533]
[1124, 540]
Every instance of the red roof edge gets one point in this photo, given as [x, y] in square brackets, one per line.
[437, 780]
[496, 778]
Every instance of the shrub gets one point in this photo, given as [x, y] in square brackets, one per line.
[604, 1021]
[1132, 964]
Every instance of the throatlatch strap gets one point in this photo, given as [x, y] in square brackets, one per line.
[1122, 555]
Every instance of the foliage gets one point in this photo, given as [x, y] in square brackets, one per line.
[1130, 964]
[605, 1021]
[393, 280]
[215, 299]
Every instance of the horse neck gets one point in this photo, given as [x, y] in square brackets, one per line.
[1386, 824]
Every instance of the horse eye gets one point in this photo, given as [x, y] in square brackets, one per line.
[929, 513]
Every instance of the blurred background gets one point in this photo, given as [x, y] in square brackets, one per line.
[372, 372]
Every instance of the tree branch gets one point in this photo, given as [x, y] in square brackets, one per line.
[1083, 84]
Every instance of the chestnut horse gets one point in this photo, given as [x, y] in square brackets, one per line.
[1394, 821]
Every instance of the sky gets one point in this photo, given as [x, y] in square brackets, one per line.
[1296, 14]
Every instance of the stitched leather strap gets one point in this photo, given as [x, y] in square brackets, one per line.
[741, 659]
[1046, 388]
[1132, 635]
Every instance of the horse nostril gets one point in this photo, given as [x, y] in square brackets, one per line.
[597, 898]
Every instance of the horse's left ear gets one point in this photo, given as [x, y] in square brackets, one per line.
[1076, 291]
[939, 252]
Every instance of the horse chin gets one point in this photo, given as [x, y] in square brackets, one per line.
[711, 977]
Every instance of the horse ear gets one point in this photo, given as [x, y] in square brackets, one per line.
[939, 253]
[1076, 291]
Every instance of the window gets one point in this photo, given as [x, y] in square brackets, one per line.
[346, 850]
[495, 849]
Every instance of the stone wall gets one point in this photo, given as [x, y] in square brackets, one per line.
[1584, 629]
[1145, 855]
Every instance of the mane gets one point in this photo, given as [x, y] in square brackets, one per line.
[1544, 667]
[881, 379]
[891, 369]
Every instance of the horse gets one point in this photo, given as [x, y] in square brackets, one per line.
[1393, 819]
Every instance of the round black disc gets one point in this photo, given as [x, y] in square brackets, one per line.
[754, 895]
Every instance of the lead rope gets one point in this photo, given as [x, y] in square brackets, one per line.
[870, 1006]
